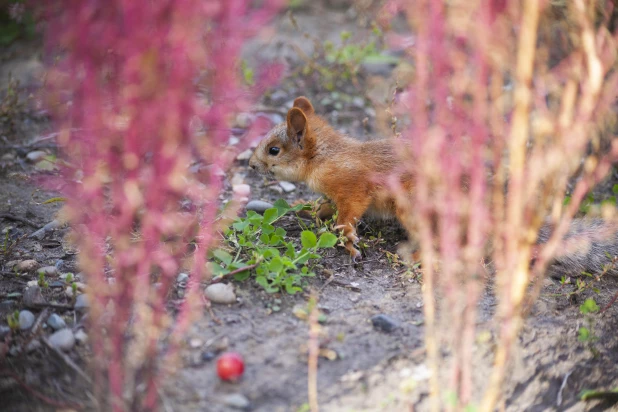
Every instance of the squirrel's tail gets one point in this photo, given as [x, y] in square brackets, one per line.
[590, 245]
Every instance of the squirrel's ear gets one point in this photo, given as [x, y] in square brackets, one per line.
[297, 125]
[304, 104]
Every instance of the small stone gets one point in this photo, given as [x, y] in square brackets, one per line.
[81, 303]
[384, 323]
[195, 343]
[220, 293]
[36, 155]
[236, 401]
[237, 179]
[56, 322]
[32, 283]
[182, 277]
[207, 356]
[233, 141]
[33, 296]
[63, 339]
[246, 155]
[27, 265]
[33, 345]
[81, 337]
[4, 331]
[56, 284]
[354, 298]
[242, 191]
[287, 186]
[26, 319]
[258, 206]
[48, 270]
[358, 102]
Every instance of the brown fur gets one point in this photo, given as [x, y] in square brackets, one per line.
[349, 172]
[353, 175]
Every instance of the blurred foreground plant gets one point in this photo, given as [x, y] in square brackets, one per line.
[123, 90]
[497, 129]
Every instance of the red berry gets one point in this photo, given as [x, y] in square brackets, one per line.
[230, 366]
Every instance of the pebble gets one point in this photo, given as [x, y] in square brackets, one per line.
[81, 337]
[258, 206]
[354, 298]
[27, 265]
[36, 155]
[220, 293]
[63, 339]
[81, 303]
[33, 345]
[31, 283]
[246, 155]
[384, 323]
[242, 191]
[4, 331]
[56, 322]
[56, 284]
[287, 186]
[195, 343]
[33, 296]
[48, 270]
[207, 356]
[182, 277]
[236, 401]
[26, 319]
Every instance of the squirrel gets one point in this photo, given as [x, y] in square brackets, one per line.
[353, 175]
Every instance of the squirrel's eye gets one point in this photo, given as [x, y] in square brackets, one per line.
[273, 151]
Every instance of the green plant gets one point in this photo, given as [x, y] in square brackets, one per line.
[13, 320]
[69, 278]
[255, 246]
[42, 282]
[586, 333]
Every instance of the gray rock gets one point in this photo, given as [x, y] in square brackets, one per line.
[4, 331]
[258, 206]
[56, 322]
[220, 293]
[244, 156]
[40, 234]
[33, 296]
[63, 339]
[287, 186]
[81, 303]
[81, 337]
[33, 345]
[384, 323]
[182, 277]
[26, 319]
[36, 155]
[27, 265]
[236, 401]
[48, 270]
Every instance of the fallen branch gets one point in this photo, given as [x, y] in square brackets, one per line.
[232, 273]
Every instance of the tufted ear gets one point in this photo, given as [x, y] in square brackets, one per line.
[297, 126]
[304, 104]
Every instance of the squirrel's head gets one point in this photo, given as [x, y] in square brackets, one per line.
[283, 150]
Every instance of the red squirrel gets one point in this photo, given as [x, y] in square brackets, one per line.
[353, 175]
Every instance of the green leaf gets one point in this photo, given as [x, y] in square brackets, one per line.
[267, 228]
[264, 238]
[327, 240]
[589, 306]
[223, 256]
[275, 265]
[240, 225]
[282, 207]
[242, 276]
[584, 334]
[270, 215]
[270, 253]
[290, 251]
[216, 270]
[280, 232]
[274, 240]
[308, 239]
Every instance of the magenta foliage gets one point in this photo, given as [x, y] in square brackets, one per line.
[124, 81]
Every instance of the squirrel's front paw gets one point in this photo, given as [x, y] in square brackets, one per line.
[355, 254]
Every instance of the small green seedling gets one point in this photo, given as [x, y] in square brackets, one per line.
[42, 282]
[13, 320]
[255, 246]
[586, 333]
[69, 278]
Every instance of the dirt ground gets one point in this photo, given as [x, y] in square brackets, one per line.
[371, 370]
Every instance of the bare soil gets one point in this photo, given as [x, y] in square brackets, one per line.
[371, 370]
